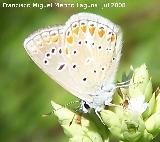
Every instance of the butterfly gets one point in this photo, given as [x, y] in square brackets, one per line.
[82, 56]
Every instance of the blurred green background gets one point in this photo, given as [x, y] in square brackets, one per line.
[26, 92]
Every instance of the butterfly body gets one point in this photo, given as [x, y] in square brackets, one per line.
[82, 56]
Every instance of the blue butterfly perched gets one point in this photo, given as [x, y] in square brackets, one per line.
[82, 56]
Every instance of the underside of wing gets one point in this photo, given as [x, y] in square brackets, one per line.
[81, 56]
[93, 48]
[45, 47]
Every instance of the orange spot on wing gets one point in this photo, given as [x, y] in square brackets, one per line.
[101, 32]
[70, 39]
[75, 30]
[54, 38]
[83, 27]
[112, 38]
[91, 30]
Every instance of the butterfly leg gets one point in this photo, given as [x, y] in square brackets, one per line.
[70, 123]
[126, 85]
[124, 82]
[97, 110]
[114, 105]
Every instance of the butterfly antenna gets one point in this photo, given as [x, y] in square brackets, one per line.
[114, 105]
[50, 113]
[70, 103]
[97, 113]
[124, 84]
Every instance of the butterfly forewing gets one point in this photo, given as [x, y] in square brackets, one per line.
[45, 47]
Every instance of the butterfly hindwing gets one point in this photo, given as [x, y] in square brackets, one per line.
[93, 46]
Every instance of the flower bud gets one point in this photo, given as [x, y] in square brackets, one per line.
[86, 131]
[140, 83]
[124, 124]
[150, 108]
[146, 137]
[157, 106]
[153, 123]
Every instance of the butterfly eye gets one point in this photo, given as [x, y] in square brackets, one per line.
[86, 105]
